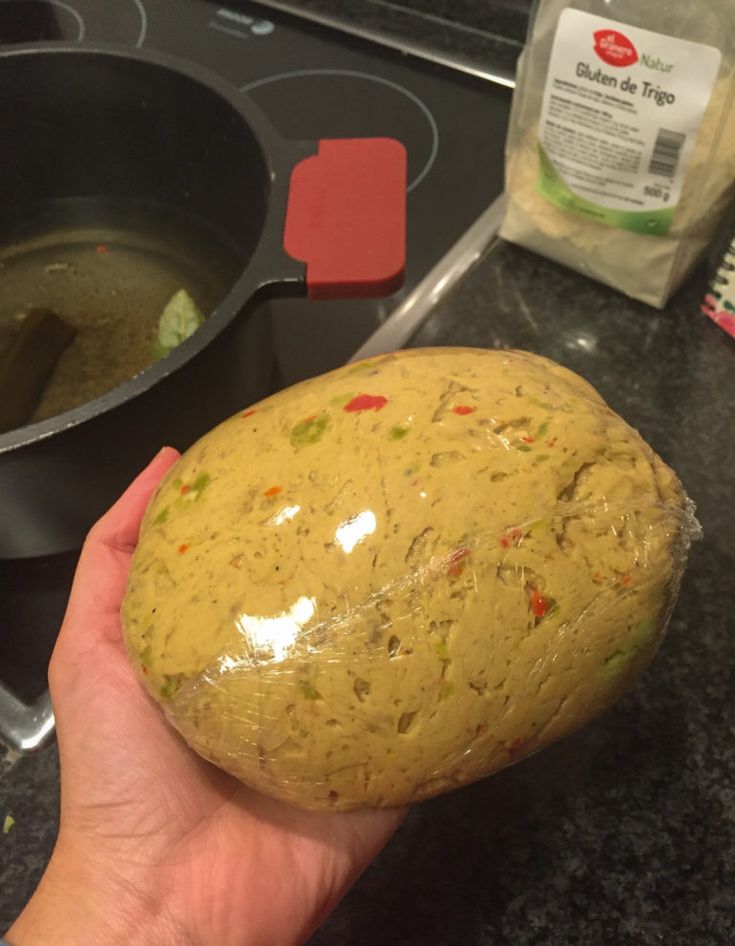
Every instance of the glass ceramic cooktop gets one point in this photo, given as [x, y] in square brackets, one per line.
[312, 82]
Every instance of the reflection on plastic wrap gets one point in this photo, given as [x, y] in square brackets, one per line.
[401, 577]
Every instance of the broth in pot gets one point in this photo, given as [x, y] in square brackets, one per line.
[94, 291]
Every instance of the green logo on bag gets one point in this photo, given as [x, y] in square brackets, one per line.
[555, 190]
[653, 62]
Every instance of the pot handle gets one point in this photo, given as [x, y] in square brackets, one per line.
[346, 217]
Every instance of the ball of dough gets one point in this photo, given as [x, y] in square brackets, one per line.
[392, 580]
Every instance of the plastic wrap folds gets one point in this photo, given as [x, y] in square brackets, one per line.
[403, 576]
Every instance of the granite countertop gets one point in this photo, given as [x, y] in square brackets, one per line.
[624, 833]
[481, 37]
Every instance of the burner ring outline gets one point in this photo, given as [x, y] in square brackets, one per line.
[355, 74]
[72, 11]
[143, 23]
[69, 9]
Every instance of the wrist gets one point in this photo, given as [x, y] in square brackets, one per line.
[79, 904]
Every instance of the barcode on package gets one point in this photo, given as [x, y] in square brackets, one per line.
[666, 152]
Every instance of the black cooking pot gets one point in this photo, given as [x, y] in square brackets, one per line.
[103, 122]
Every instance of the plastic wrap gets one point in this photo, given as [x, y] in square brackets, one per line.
[402, 576]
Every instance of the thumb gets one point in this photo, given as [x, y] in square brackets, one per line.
[93, 612]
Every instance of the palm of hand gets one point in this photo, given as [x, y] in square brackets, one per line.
[217, 861]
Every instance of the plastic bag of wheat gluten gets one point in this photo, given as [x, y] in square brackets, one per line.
[621, 151]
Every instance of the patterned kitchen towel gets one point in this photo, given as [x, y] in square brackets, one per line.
[719, 303]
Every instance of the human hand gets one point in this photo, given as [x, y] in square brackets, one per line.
[156, 845]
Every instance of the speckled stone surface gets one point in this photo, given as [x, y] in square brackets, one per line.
[623, 834]
[485, 36]
[29, 793]
[505, 19]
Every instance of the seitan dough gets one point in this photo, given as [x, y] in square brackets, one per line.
[400, 577]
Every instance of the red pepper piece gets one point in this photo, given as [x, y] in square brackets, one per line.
[456, 562]
[539, 604]
[511, 538]
[366, 402]
[463, 409]
[273, 491]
